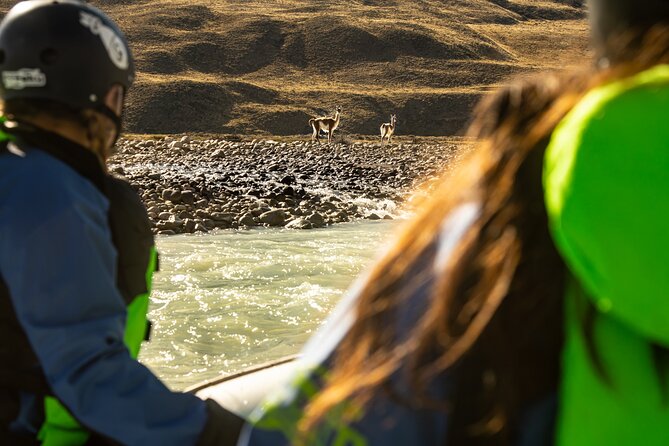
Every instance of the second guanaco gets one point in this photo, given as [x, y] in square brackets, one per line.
[388, 129]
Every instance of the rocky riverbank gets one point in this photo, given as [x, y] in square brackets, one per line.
[198, 185]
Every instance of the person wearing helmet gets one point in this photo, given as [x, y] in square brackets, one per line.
[76, 251]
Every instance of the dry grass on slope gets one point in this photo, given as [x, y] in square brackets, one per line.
[251, 66]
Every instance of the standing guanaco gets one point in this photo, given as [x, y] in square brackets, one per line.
[326, 123]
[388, 128]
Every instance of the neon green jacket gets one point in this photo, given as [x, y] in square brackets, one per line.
[60, 428]
[606, 182]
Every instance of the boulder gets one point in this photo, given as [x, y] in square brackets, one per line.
[275, 217]
[171, 195]
[201, 213]
[316, 220]
[247, 220]
[187, 197]
[223, 217]
[288, 180]
[288, 191]
[189, 225]
[300, 223]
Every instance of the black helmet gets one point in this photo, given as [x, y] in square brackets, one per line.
[65, 51]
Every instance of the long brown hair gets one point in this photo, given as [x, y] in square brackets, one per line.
[496, 310]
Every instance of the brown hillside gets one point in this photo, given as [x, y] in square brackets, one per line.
[253, 67]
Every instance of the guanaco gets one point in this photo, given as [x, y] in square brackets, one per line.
[326, 123]
[388, 128]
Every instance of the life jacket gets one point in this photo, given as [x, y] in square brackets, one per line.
[137, 260]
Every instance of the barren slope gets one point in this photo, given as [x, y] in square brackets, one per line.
[253, 67]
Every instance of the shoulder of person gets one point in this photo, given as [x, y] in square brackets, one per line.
[40, 184]
[638, 98]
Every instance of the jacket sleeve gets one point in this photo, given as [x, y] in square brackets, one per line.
[606, 183]
[58, 261]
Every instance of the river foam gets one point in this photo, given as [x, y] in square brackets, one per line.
[226, 301]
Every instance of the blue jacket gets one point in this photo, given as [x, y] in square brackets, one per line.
[58, 262]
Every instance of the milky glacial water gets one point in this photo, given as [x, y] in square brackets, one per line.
[226, 301]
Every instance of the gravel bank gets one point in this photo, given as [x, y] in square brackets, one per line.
[191, 185]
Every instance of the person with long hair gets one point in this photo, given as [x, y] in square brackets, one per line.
[524, 305]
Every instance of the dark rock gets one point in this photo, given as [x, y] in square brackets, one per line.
[223, 224]
[276, 217]
[223, 217]
[288, 191]
[171, 195]
[329, 206]
[189, 225]
[174, 225]
[187, 197]
[247, 220]
[288, 180]
[373, 216]
[316, 220]
[341, 216]
[300, 223]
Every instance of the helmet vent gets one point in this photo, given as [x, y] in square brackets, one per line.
[48, 56]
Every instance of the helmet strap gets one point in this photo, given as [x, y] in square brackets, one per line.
[109, 113]
[117, 120]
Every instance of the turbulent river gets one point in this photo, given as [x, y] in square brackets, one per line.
[226, 301]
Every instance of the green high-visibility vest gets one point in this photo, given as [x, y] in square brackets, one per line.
[606, 178]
